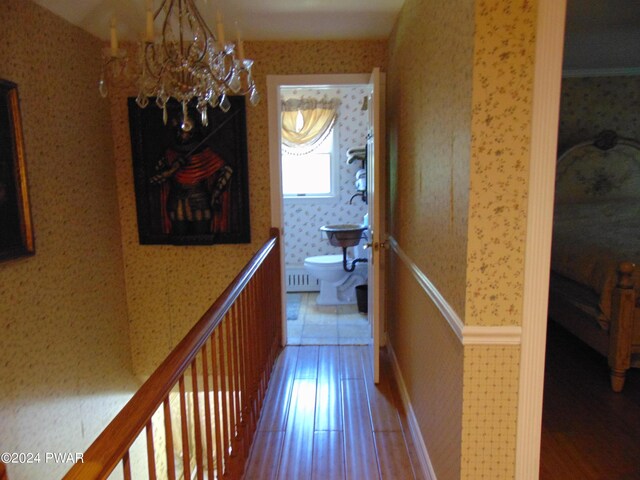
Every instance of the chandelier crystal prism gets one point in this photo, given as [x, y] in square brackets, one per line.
[186, 62]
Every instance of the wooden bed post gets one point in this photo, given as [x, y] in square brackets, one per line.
[620, 332]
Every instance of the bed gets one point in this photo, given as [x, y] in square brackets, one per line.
[594, 284]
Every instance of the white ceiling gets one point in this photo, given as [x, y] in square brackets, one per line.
[599, 33]
[257, 19]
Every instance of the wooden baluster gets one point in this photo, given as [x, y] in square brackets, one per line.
[273, 297]
[280, 314]
[277, 280]
[266, 329]
[215, 370]
[224, 418]
[226, 411]
[151, 453]
[244, 367]
[238, 386]
[275, 320]
[260, 329]
[207, 412]
[126, 466]
[171, 466]
[268, 318]
[234, 380]
[230, 377]
[253, 314]
[250, 354]
[197, 431]
[186, 461]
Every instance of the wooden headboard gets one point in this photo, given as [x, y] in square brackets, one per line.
[604, 168]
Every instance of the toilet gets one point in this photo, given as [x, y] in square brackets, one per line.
[337, 287]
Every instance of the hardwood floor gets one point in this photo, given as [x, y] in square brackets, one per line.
[324, 418]
[588, 431]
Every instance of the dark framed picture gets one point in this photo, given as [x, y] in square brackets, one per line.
[16, 231]
[191, 180]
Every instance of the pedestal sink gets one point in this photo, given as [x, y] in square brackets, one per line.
[345, 235]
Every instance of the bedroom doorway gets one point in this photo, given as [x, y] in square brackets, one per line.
[575, 442]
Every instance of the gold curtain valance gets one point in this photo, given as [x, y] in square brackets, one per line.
[307, 121]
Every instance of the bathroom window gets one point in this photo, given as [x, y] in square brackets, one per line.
[310, 174]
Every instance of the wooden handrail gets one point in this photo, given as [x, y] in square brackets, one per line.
[113, 444]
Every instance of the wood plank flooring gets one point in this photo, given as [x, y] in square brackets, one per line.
[588, 431]
[324, 418]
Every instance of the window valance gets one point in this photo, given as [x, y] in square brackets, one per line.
[307, 121]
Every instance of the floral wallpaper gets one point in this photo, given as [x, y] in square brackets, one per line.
[66, 363]
[590, 105]
[499, 170]
[303, 218]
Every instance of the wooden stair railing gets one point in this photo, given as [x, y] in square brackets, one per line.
[213, 382]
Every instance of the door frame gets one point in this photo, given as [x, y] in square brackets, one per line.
[274, 82]
[544, 140]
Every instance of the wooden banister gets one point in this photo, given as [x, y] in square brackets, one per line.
[238, 339]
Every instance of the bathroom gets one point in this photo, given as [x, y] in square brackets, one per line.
[319, 193]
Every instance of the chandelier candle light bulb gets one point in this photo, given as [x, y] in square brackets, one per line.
[220, 30]
[114, 38]
[150, 33]
[240, 45]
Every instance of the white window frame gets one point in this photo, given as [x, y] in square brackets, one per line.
[334, 174]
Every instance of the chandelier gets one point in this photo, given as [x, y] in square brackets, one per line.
[186, 62]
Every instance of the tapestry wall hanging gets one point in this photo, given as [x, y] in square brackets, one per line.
[191, 181]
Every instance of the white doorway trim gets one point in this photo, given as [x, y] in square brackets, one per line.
[544, 139]
[274, 82]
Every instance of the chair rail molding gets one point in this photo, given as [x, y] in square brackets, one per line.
[467, 334]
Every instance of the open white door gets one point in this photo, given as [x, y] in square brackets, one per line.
[377, 227]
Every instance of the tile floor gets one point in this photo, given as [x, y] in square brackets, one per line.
[327, 324]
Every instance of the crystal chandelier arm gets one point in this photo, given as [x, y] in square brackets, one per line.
[188, 62]
[199, 47]
[203, 25]
[166, 30]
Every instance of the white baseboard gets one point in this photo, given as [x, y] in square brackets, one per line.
[414, 429]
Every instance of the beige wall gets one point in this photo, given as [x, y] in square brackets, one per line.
[459, 114]
[169, 287]
[63, 313]
[429, 122]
